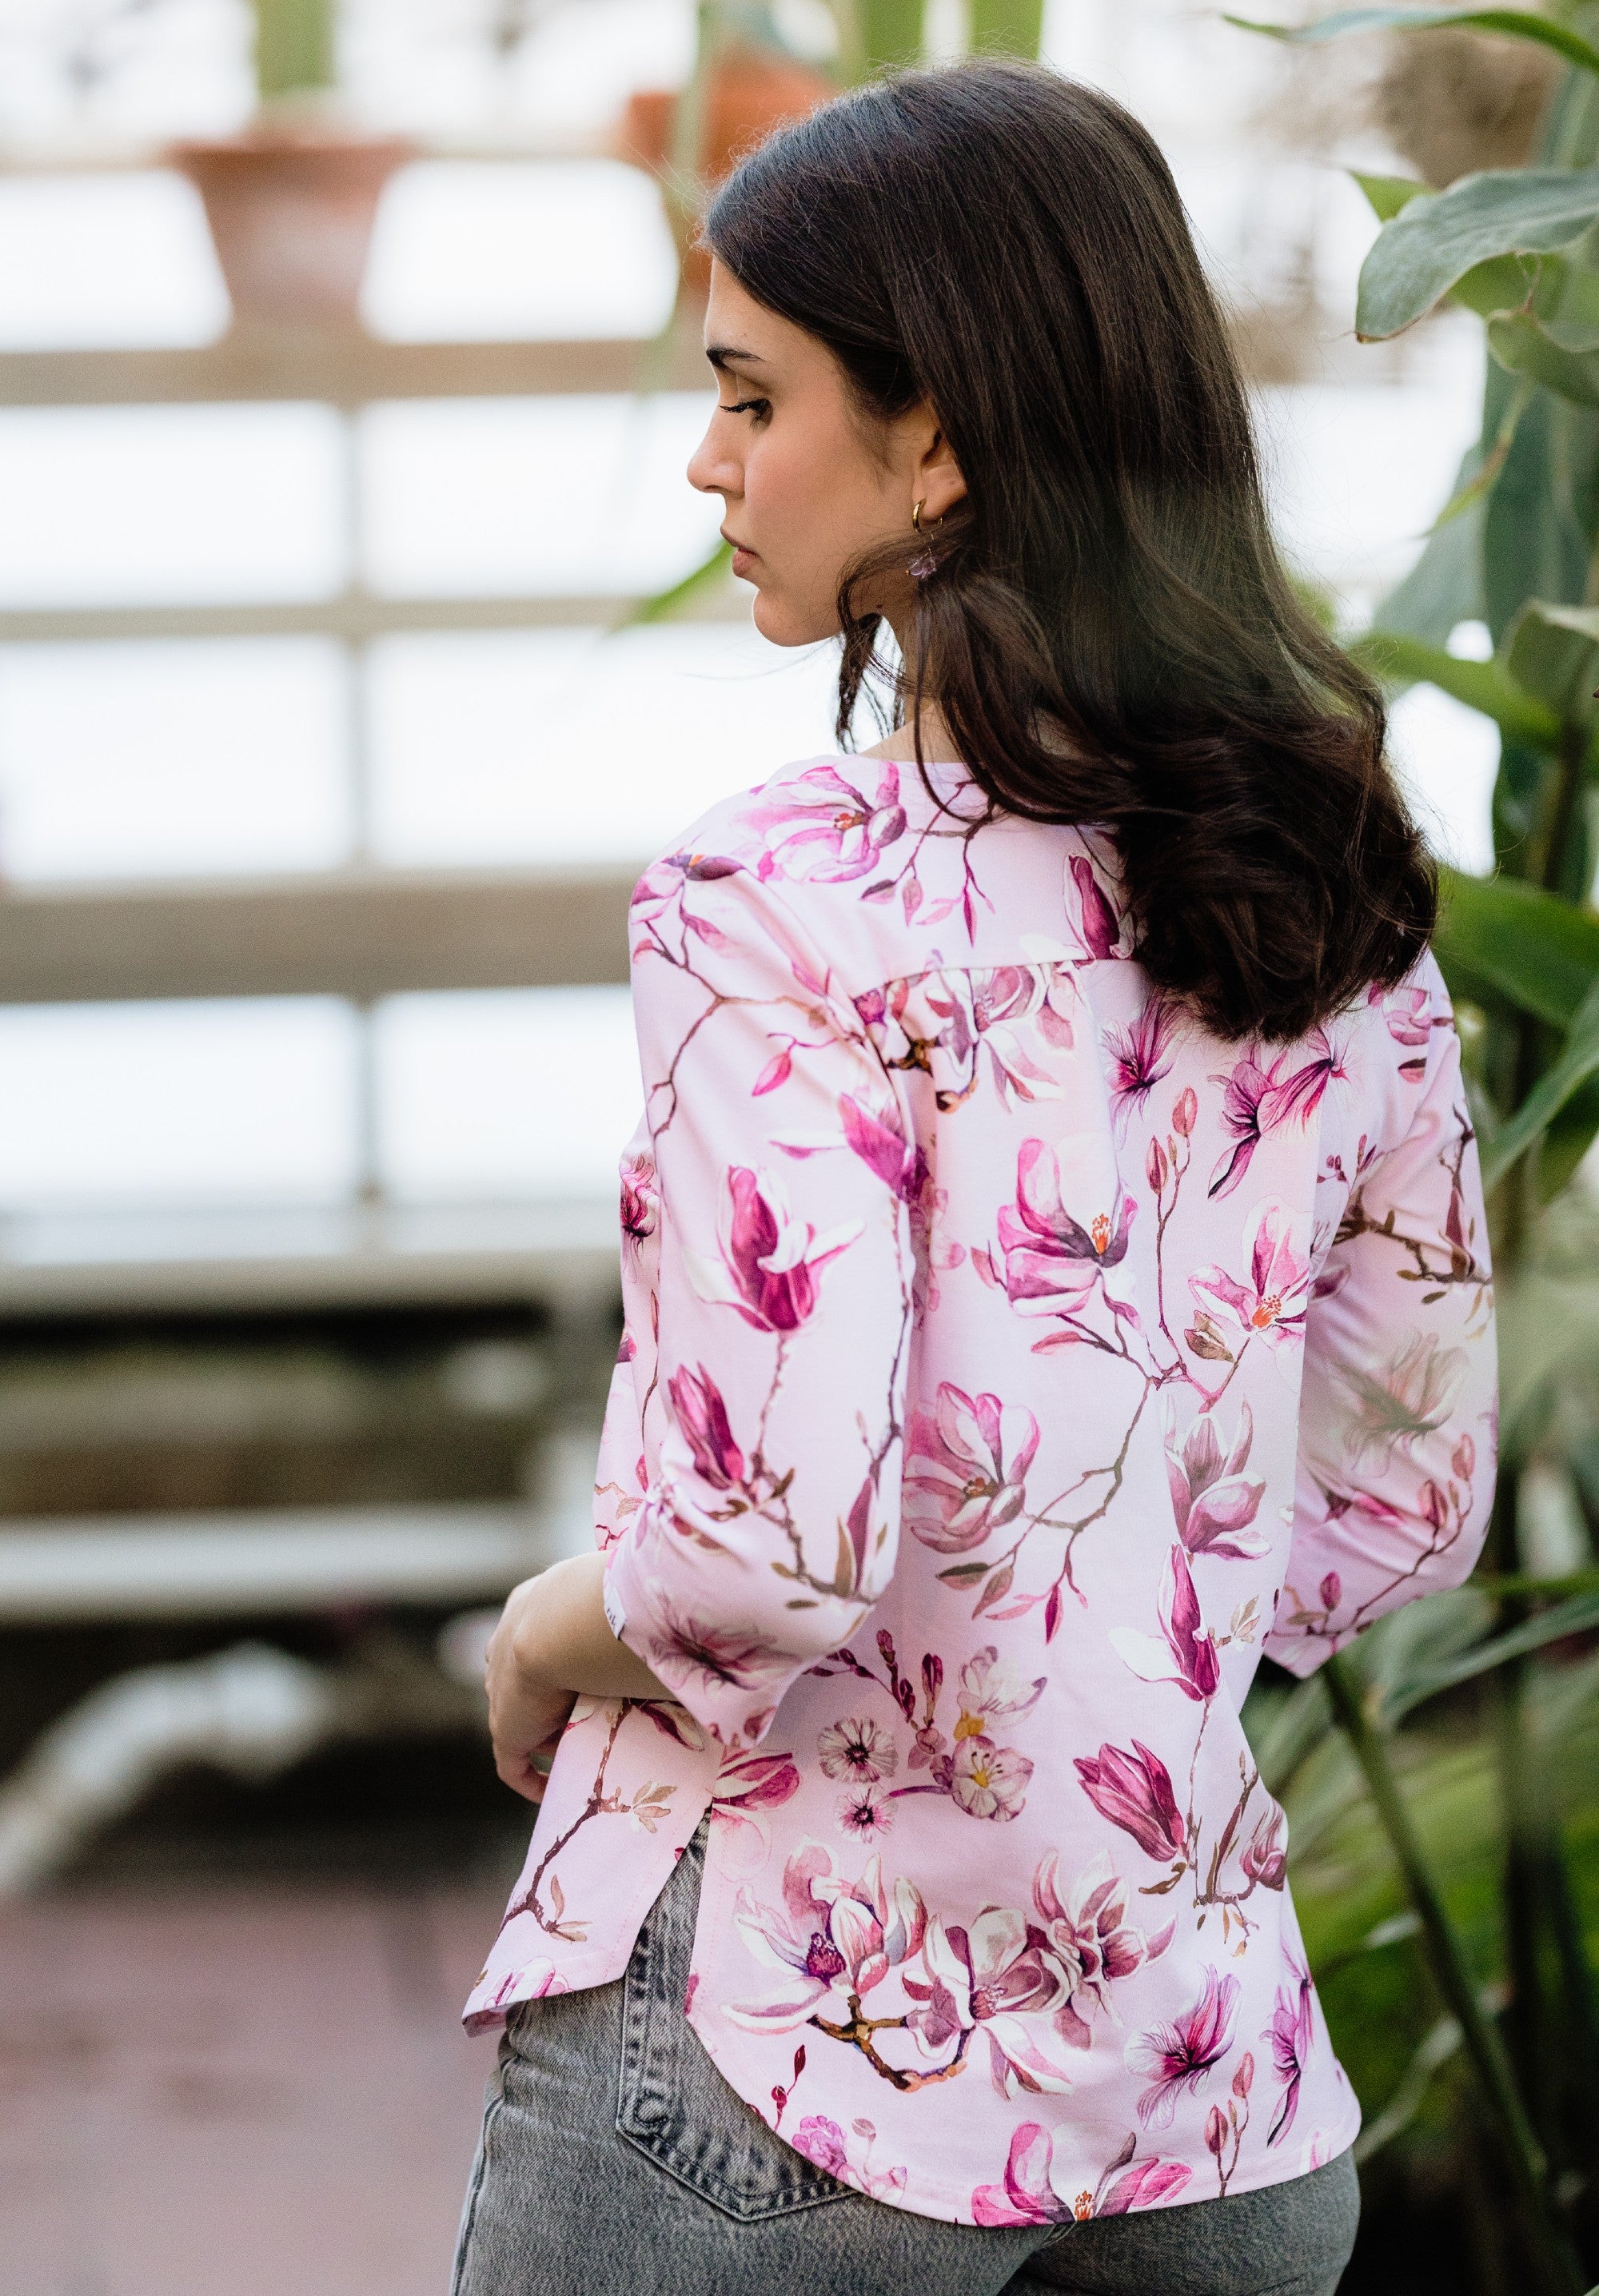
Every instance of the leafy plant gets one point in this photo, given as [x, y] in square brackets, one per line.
[1497, 1896]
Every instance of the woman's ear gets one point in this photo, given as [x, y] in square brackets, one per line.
[940, 484]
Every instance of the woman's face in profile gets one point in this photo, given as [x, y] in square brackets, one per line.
[809, 482]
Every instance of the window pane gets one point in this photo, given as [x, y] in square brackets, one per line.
[475, 251]
[117, 506]
[545, 496]
[565, 745]
[224, 1099]
[147, 761]
[119, 258]
[512, 1093]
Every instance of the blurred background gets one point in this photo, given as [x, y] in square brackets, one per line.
[359, 640]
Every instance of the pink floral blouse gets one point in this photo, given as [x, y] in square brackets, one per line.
[1008, 1364]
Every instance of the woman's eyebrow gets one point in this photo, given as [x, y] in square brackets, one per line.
[725, 355]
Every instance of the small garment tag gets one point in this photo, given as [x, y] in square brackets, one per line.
[615, 1617]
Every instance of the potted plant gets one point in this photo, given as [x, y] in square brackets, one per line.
[291, 198]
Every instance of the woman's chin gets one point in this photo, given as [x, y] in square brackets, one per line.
[781, 625]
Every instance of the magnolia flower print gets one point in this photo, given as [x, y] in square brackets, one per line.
[1186, 1653]
[1256, 1100]
[1179, 2056]
[1271, 1300]
[640, 1212]
[1394, 1405]
[701, 1412]
[1291, 2034]
[1214, 1501]
[1027, 2196]
[829, 1934]
[770, 1260]
[988, 1978]
[824, 827]
[1092, 1942]
[1135, 1791]
[1053, 1258]
[1139, 1056]
[966, 1469]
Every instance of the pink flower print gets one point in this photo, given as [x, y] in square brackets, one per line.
[879, 1142]
[687, 1647]
[1133, 1791]
[1245, 1115]
[1214, 1502]
[1263, 1857]
[1091, 1939]
[1179, 2056]
[1049, 1255]
[990, 1978]
[1091, 914]
[702, 1416]
[988, 1781]
[1010, 1009]
[859, 1750]
[1271, 1302]
[750, 1782]
[966, 1468]
[822, 826]
[1139, 1055]
[1256, 1100]
[993, 1689]
[639, 1210]
[1027, 2195]
[1301, 1091]
[770, 1260]
[821, 2143]
[1186, 1653]
[1291, 2034]
[865, 1813]
[1408, 1013]
[829, 1934]
[1395, 1405]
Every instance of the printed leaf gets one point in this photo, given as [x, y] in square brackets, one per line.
[963, 1574]
[1434, 241]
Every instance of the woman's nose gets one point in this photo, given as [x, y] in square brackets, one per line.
[712, 473]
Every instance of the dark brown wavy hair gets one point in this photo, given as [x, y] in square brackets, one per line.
[1108, 633]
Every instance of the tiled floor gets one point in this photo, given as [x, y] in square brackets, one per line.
[237, 2090]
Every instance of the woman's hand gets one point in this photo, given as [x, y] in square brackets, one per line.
[527, 1712]
[552, 1645]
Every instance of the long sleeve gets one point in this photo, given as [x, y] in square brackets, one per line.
[770, 1522]
[1397, 1418]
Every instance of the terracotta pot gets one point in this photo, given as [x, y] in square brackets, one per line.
[292, 218]
[749, 93]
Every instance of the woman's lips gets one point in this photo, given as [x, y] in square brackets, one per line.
[743, 558]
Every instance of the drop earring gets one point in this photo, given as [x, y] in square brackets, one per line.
[925, 562]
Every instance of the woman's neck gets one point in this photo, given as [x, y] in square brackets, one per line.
[900, 745]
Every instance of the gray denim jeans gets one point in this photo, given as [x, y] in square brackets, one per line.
[615, 2161]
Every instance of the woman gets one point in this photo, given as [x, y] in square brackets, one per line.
[1054, 1275]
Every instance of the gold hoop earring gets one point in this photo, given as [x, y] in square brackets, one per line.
[916, 514]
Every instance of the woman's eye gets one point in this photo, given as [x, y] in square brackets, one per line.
[756, 407]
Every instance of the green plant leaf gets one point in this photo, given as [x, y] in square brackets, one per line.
[1484, 686]
[1385, 195]
[666, 603]
[1578, 1062]
[1433, 243]
[1551, 653]
[1511, 940]
[1579, 1615]
[1444, 587]
[1525, 347]
[1514, 23]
